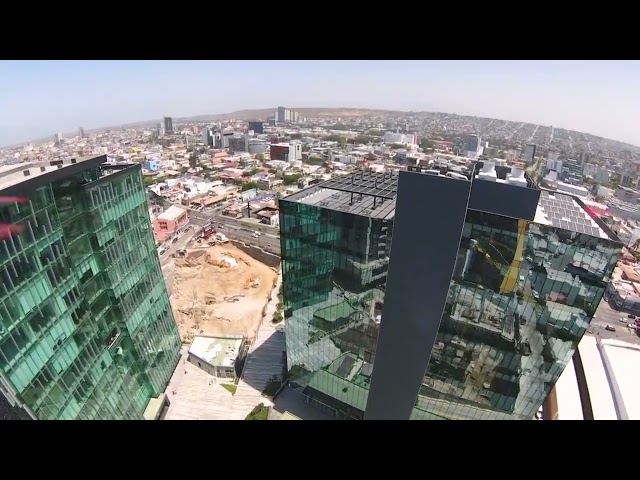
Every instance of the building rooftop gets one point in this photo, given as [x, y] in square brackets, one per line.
[217, 351]
[610, 374]
[381, 185]
[171, 213]
[363, 193]
[289, 416]
[563, 211]
[13, 175]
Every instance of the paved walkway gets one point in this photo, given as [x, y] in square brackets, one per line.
[264, 361]
[198, 396]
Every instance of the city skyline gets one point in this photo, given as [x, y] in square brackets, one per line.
[596, 97]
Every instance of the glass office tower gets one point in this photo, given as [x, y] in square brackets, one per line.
[521, 298]
[473, 314]
[86, 330]
[335, 251]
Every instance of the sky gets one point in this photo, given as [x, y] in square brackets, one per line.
[40, 98]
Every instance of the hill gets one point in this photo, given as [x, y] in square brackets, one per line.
[264, 113]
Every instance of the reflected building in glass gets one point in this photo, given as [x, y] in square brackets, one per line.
[86, 330]
[472, 314]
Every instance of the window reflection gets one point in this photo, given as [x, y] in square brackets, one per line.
[521, 297]
[335, 266]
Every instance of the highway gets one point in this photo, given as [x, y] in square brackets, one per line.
[605, 315]
[233, 228]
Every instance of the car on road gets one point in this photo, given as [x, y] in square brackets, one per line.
[188, 228]
[632, 326]
[175, 239]
[609, 328]
[631, 316]
[257, 234]
[254, 235]
[622, 320]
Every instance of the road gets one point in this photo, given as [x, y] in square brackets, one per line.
[233, 228]
[182, 242]
[605, 315]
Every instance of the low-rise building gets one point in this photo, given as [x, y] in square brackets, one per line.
[218, 356]
[169, 222]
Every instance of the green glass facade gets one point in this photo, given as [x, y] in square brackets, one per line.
[521, 297]
[334, 274]
[86, 329]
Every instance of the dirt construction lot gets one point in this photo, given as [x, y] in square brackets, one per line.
[219, 291]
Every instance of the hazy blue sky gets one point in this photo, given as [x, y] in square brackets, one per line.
[39, 98]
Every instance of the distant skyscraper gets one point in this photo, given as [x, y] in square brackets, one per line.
[86, 329]
[168, 124]
[584, 158]
[206, 135]
[257, 127]
[57, 138]
[472, 146]
[281, 116]
[529, 153]
[239, 144]
[507, 288]
[81, 132]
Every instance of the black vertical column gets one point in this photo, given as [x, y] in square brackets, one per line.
[430, 214]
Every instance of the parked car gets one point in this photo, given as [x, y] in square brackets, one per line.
[622, 320]
[631, 316]
[609, 328]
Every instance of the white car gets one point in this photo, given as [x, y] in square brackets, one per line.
[622, 320]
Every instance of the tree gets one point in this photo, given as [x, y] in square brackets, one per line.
[314, 161]
[155, 197]
[296, 136]
[427, 145]
[249, 186]
[148, 180]
[365, 139]
[184, 169]
[193, 160]
[260, 157]
[292, 179]
[260, 412]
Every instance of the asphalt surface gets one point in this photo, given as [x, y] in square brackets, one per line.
[234, 229]
[605, 315]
